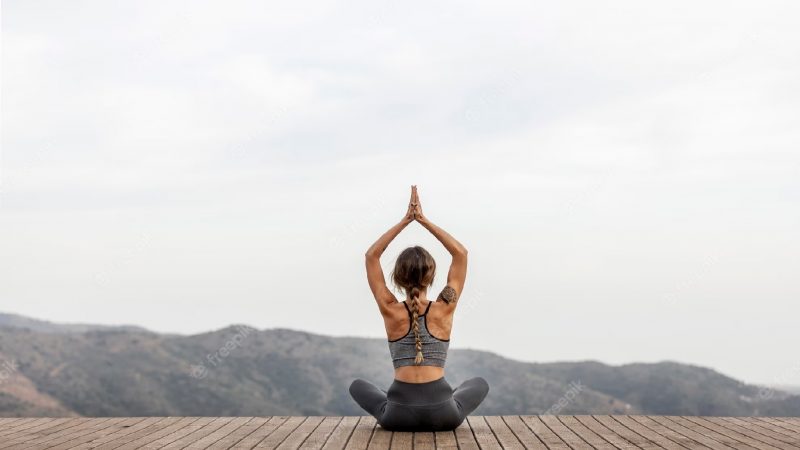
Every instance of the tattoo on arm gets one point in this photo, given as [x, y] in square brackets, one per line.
[448, 295]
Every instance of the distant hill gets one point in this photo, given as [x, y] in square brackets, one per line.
[16, 321]
[57, 370]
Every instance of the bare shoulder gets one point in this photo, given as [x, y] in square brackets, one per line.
[395, 310]
[446, 300]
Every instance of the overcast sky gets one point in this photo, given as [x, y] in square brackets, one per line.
[625, 175]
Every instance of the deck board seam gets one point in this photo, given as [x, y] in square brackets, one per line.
[227, 434]
[328, 437]
[725, 429]
[601, 424]
[611, 417]
[667, 418]
[590, 431]
[782, 433]
[781, 424]
[757, 429]
[670, 429]
[652, 430]
[350, 434]
[646, 440]
[518, 437]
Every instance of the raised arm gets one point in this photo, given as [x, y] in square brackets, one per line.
[375, 277]
[457, 274]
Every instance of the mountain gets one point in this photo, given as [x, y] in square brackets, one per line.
[242, 371]
[16, 321]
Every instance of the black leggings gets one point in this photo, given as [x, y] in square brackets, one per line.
[430, 406]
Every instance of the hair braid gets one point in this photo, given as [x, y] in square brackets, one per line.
[414, 270]
[415, 324]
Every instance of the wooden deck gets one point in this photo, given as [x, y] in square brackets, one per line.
[360, 432]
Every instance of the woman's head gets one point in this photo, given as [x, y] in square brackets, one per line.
[414, 268]
[413, 271]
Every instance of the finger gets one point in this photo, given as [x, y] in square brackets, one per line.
[416, 194]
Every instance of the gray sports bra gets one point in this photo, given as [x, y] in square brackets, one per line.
[404, 351]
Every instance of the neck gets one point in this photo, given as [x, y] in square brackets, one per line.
[422, 296]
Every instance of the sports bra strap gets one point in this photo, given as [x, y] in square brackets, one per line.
[409, 309]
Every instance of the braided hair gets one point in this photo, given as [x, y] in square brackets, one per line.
[414, 270]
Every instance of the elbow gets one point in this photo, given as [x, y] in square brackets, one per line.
[370, 254]
[462, 251]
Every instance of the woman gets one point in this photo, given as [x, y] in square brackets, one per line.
[418, 331]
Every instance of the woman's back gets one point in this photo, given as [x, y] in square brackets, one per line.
[435, 320]
[433, 348]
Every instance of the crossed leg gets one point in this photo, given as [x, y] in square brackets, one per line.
[467, 396]
[470, 394]
[369, 397]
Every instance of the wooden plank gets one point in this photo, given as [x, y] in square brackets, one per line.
[31, 427]
[341, 434]
[10, 422]
[483, 434]
[260, 433]
[282, 432]
[764, 429]
[154, 427]
[423, 440]
[381, 439]
[24, 438]
[230, 425]
[593, 438]
[445, 440]
[28, 424]
[317, 439]
[635, 426]
[86, 427]
[523, 433]
[748, 431]
[667, 432]
[197, 432]
[503, 433]
[601, 432]
[98, 441]
[301, 433]
[697, 436]
[783, 423]
[402, 441]
[604, 432]
[113, 427]
[238, 434]
[637, 440]
[465, 437]
[550, 439]
[745, 437]
[39, 433]
[793, 421]
[362, 433]
[147, 436]
[566, 435]
[717, 434]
